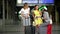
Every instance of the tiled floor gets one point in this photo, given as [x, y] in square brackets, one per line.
[15, 29]
[18, 29]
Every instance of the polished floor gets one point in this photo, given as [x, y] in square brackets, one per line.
[18, 29]
[15, 29]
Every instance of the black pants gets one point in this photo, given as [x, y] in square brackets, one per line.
[33, 29]
[27, 29]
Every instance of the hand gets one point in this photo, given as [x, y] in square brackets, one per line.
[26, 17]
[44, 18]
[37, 26]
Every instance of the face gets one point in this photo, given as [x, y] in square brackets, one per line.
[36, 7]
[26, 6]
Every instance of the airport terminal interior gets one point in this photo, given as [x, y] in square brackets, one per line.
[10, 23]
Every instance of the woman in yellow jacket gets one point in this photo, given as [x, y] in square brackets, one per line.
[37, 17]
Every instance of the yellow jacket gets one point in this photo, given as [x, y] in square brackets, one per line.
[37, 21]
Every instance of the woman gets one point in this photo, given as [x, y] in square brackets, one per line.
[37, 17]
[25, 11]
[45, 28]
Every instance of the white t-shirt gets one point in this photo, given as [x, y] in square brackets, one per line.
[24, 11]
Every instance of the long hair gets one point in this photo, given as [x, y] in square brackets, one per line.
[35, 6]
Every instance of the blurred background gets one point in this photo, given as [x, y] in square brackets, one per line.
[10, 22]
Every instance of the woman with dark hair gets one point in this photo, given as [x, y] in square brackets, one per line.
[46, 27]
[37, 17]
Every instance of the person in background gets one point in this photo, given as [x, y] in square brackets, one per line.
[32, 19]
[37, 18]
[25, 15]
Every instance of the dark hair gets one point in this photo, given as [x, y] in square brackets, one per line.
[25, 4]
[35, 5]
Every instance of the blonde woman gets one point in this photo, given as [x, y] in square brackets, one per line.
[25, 12]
